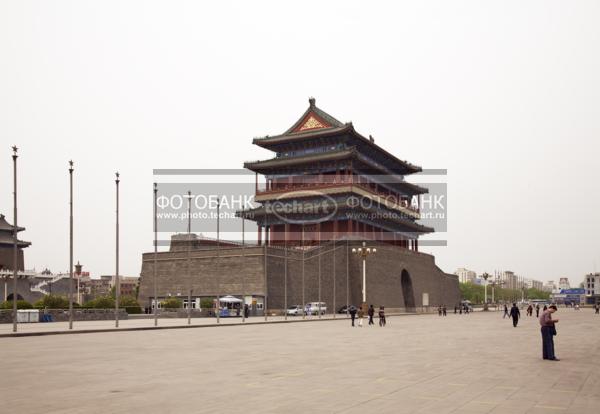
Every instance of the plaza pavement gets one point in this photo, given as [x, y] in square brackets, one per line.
[475, 363]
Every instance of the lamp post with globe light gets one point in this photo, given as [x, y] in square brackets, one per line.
[363, 252]
[485, 277]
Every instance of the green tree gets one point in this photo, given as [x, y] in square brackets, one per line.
[207, 303]
[537, 294]
[101, 302]
[53, 302]
[130, 304]
[171, 303]
[21, 304]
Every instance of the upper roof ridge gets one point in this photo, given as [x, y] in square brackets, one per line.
[314, 118]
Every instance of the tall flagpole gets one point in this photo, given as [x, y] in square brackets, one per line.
[347, 278]
[319, 273]
[189, 253]
[155, 254]
[285, 275]
[267, 236]
[243, 260]
[303, 259]
[117, 281]
[15, 241]
[334, 310]
[71, 246]
[218, 262]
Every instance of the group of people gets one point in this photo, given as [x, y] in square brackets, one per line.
[442, 310]
[462, 309]
[530, 309]
[360, 313]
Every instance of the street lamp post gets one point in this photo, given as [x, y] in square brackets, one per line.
[117, 281]
[363, 252]
[15, 241]
[78, 268]
[71, 246]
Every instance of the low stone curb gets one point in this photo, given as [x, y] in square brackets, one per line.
[151, 328]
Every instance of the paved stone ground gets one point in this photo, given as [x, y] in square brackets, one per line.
[474, 363]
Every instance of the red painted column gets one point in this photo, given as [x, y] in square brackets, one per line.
[259, 236]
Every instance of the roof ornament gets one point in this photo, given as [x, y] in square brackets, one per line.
[311, 101]
[371, 138]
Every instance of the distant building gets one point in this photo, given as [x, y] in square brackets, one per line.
[550, 286]
[465, 275]
[570, 296]
[7, 246]
[591, 284]
[511, 281]
[534, 284]
[128, 285]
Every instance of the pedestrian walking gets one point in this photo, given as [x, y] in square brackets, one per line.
[371, 313]
[537, 310]
[530, 310]
[455, 309]
[381, 316]
[548, 329]
[515, 314]
[597, 309]
[352, 311]
[361, 315]
[439, 311]
[444, 310]
[505, 311]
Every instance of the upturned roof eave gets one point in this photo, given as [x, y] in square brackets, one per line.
[267, 142]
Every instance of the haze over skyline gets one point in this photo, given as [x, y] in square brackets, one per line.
[504, 95]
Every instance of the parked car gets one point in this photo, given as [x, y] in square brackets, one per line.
[294, 310]
[343, 309]
[313, 308]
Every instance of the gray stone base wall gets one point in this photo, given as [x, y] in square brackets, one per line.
[23, 289]
[397, 278]
[60, 315]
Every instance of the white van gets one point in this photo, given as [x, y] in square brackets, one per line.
[312, 308]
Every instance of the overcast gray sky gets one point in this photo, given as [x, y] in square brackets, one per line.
[503, 94]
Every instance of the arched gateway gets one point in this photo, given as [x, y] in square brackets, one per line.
[407, 291]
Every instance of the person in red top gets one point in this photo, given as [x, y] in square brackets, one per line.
[548, 332]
